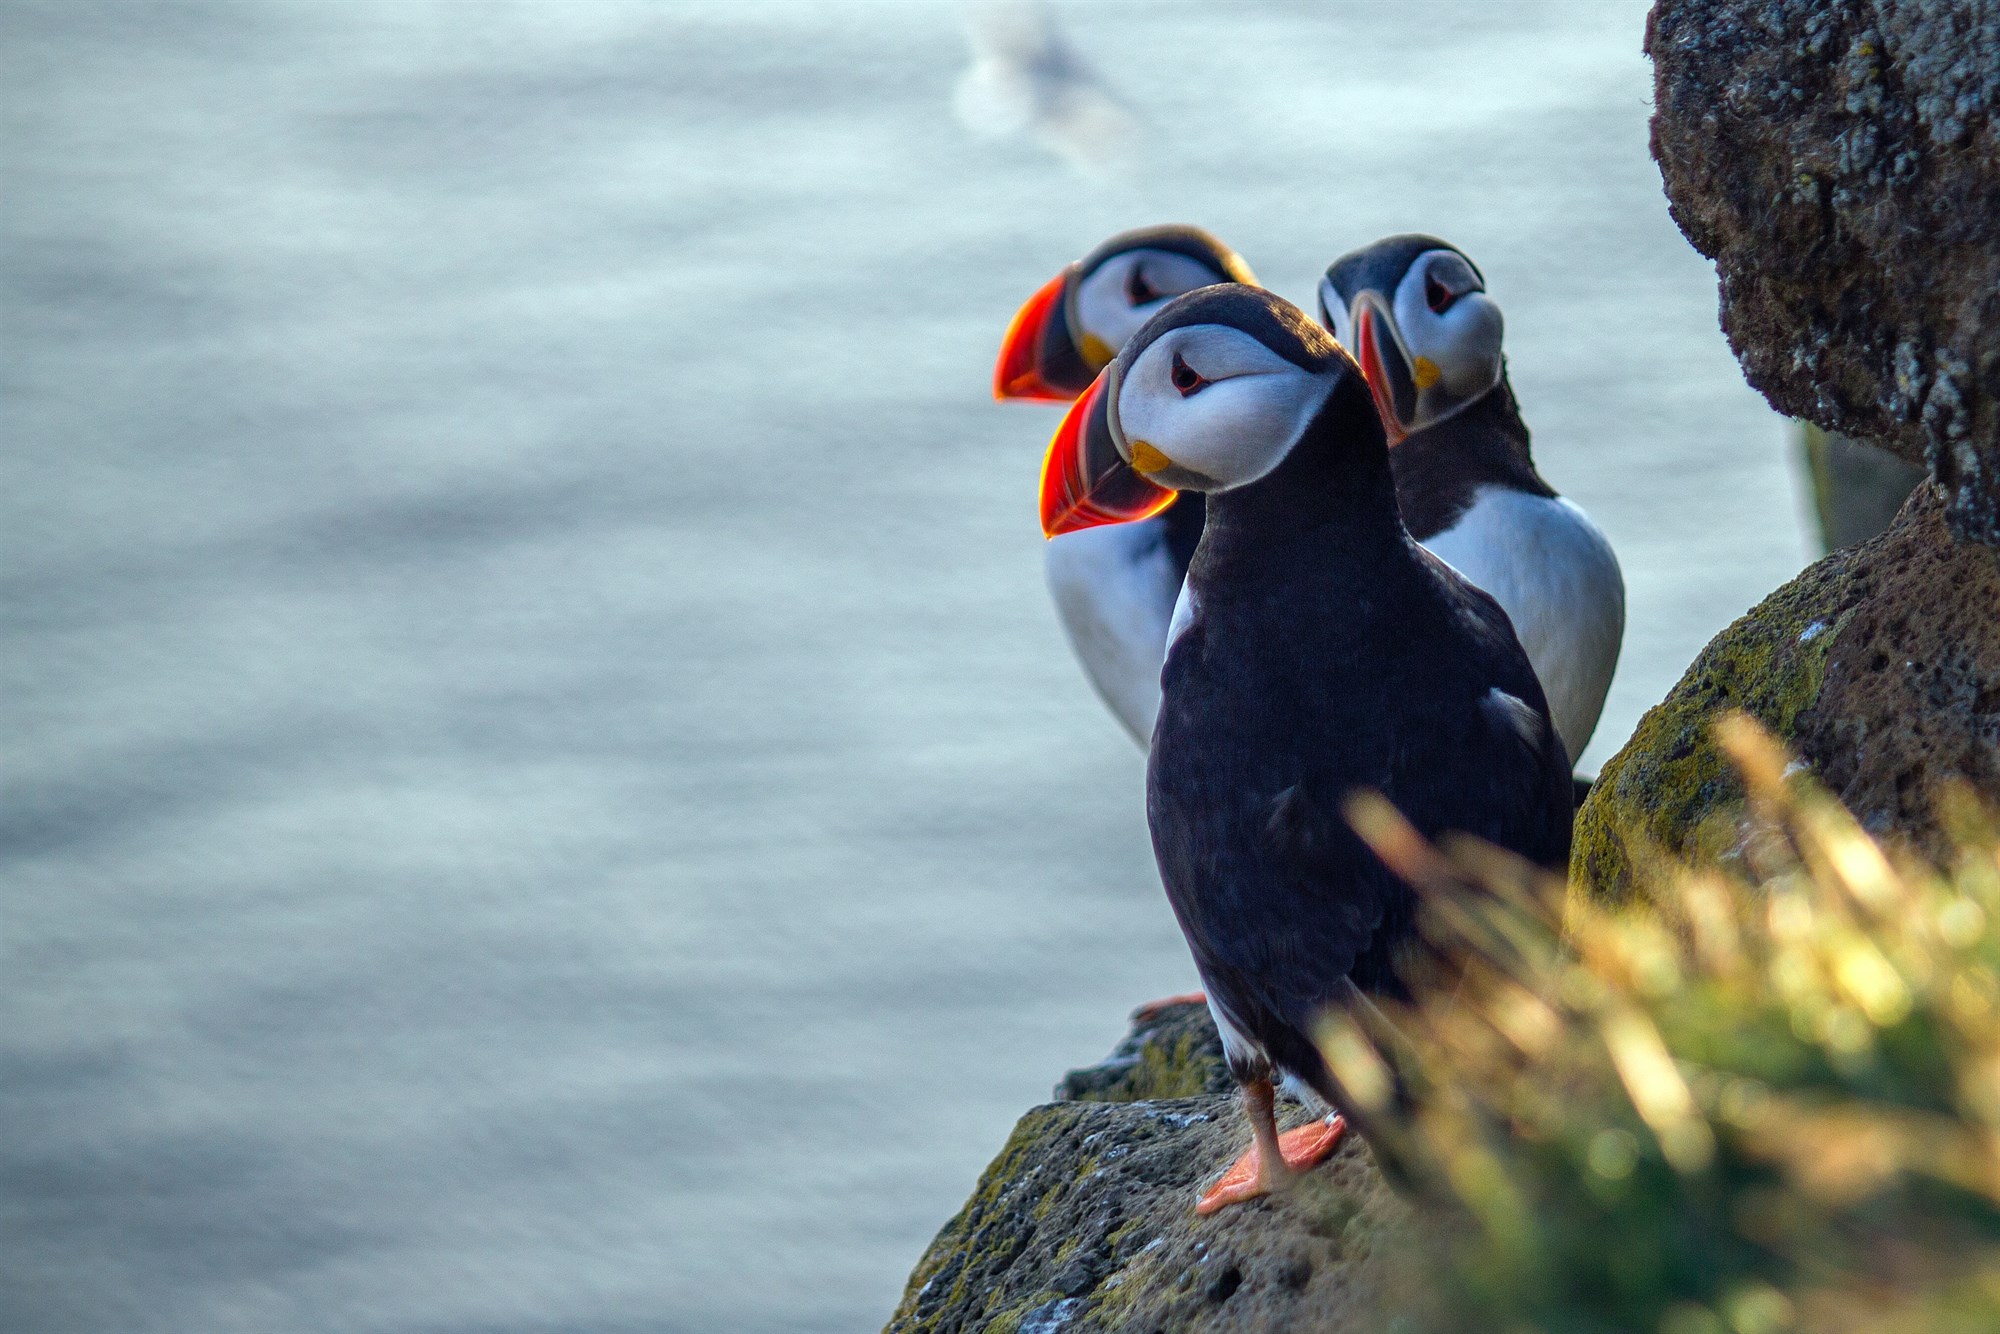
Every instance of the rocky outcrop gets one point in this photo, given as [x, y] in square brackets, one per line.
[1173, 1053]
[1085, 1221]
[1879, 666]
[1840, 162]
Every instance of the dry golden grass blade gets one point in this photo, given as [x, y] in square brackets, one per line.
[1734, 1006]
[1842, 1154]
[1843, 859]
[1760, 760]
[1718, 940]
[1515, 898]
[1867, 978]
[1523, 1018]
[1631, 954]
[1835, 848]
[1454, 924]
[1523, 886]
[1356, 1063]
[1396, 841]
[1658, 1092]
[1455, 918]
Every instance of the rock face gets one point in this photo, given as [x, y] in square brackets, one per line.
[1880, 666]
[1086, 1222]
[1840, 162]
[1175, 1053]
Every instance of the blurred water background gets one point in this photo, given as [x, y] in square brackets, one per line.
[542, 790]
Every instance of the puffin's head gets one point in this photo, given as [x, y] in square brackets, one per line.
[1212, 394]
[1071, 329]
[1414, 312]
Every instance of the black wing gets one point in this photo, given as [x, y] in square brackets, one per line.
[1308, 915]
[1502, 773]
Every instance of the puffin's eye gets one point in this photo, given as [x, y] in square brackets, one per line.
[1137, 290]
[1437, 296]
[1186, 378]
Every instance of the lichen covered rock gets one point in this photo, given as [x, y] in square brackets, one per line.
[1840, 162]
[1879, 666]
[1174, 1053]
[1085, 1221]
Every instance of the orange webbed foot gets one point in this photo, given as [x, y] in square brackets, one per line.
[1151, 1010]
[1302, 1149]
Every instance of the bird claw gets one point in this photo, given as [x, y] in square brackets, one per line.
[1302, 1149]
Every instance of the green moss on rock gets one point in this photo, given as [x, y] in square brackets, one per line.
[1085, 1222]
[1879, 667]
[1174, 1053]
[1669, 778]
[984, 1237]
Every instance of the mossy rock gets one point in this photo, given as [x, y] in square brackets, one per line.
[1174, 1052]
[1669, 778]
[1879, 666]
[1085, 1222]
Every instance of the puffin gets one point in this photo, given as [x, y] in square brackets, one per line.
[1466, 481]
[1317, 650]
[1414, 312]
[1114, 588]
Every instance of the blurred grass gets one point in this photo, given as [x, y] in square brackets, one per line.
[1766, 1099]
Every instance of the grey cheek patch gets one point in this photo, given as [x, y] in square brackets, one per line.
[1184, 479]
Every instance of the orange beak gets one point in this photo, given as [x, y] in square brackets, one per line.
[1031, 344]
[1084, 481]
[1368, 350]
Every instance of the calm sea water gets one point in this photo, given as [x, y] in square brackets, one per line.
[542, 790]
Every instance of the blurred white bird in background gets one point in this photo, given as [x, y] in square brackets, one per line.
[1026, 78]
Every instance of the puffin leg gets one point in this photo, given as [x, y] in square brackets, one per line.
[1272, 1160]
[1151, 1010]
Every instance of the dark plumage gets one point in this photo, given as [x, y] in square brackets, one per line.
[1440, 469]
[1415, 311]
[1175, 239]
[1326, 652]
[1182, 523]
[1382, 265]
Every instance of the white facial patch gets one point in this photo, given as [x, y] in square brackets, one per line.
[1338, 319]
[1125, 291]
[1462, 342]
[1231, 430]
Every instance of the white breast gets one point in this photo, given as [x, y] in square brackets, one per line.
[1114, 589]
[1550, 568]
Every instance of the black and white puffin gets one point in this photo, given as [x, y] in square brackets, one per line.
[1114, 588]
[1317, 650]
[1415, 313]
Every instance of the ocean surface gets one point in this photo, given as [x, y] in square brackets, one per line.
[542, 790]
